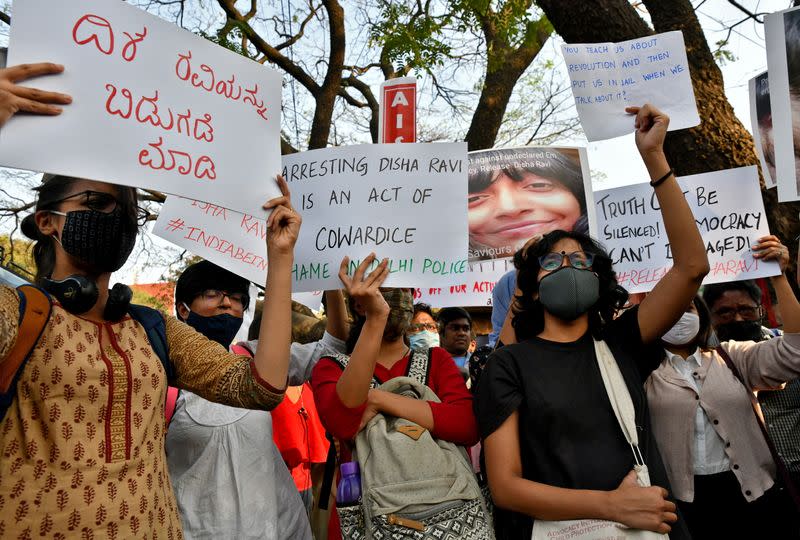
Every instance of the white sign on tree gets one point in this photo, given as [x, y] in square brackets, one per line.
[154, 106]
[729, 212]
[607, 77]
[404, 202]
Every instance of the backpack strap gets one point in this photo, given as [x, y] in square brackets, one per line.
[34, 312]
[419, 365]
[342, 360]
[156, 328]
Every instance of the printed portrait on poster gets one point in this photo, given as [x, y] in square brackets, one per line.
[518, 193]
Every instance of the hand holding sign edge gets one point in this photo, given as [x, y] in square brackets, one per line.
[283, 224]
[15, 98]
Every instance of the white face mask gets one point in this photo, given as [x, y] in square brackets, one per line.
[424, 340]
[684, 331]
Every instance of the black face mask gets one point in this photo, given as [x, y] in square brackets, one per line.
[220, 328]
[740, 331]
[101, 240]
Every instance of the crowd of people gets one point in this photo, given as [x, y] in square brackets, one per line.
[121, 422]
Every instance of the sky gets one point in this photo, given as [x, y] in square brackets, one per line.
[616, 160]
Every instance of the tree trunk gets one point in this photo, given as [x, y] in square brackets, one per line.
[720, 141]
[326, 95]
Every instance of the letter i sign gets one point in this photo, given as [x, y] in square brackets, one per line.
[398, 111]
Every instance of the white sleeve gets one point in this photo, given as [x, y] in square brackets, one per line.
[304, 356]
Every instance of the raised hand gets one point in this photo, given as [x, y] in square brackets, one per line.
[645, 508]
[365, 288]
[770, 248]
[15, 98]
[651, 128]
[283, 224]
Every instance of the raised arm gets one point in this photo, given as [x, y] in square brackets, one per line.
[336, 314]
[634, 506]
[283, 226]
[770, 248]
[352, 387]
[665, 304]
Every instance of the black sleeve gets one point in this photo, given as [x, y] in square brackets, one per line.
[499, 392]
[624, 332]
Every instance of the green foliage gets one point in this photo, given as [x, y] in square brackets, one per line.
[411, 39]
[723, 55]
[20, 254]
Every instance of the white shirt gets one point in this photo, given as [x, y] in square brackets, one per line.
[709, 450]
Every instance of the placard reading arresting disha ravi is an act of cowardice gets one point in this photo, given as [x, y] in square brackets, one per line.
[729, 212]
[607, 77]
[154, 106]
[407, 203]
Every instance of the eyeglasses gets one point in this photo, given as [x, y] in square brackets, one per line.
[237, 300]
[745, 312]
[419, 327]
[101, 201]
[577, 259]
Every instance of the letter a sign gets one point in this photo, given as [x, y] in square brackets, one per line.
[398, 114]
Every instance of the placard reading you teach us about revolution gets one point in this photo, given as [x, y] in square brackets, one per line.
[729, 212]
[607, 77]
[407, 203]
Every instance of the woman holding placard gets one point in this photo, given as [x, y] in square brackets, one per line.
[701, 397]
[83, 373]
[563, 416]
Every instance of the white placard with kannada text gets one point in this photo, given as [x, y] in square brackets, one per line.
[154, 106]
[407, 203]
[607, 77]
[782, 36]
[729, 211]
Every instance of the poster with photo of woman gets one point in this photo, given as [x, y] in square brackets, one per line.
[518, 193]
[761, 126]
[782, 31]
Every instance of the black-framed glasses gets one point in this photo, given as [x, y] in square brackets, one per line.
[237, 300]
[577, 259]
[106, 203]
[419, 327]
[748, 313]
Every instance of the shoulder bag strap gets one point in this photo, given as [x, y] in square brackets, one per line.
[34, 310]
[620, 398]
[419, 365]
[783, 473]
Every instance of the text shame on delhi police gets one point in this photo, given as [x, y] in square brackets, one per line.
[405, 202]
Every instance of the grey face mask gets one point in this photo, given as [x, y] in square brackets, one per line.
[568, 292]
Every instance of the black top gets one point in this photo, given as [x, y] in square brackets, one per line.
[569, 435]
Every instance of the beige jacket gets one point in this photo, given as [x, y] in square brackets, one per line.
[673, 405]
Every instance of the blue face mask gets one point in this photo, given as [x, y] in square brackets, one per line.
[424, 340]
[220, 328]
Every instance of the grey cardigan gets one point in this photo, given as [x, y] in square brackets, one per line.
[673, 404]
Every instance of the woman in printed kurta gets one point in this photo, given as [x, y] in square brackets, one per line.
[82, 442]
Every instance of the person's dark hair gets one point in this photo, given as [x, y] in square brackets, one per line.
[712, 293]
[207, 275]
[560, 167]
[450, 314]
[528, 320]
[706, 330]
[255, 324]
[49, 194]
[422, 307]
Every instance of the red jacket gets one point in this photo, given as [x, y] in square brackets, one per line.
[453, 419]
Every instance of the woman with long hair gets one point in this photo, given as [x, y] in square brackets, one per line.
[554, 448]
[82, 438]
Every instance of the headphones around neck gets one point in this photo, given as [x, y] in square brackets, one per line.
[78, 294]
